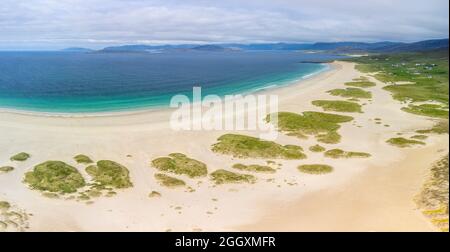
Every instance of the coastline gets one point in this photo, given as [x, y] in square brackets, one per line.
[146, 135]
[158, 108]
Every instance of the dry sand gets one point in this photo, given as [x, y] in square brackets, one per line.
[361, 194]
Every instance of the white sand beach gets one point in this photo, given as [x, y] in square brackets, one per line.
[373, 194]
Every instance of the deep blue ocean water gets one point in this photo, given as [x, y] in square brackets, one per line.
[97, 82]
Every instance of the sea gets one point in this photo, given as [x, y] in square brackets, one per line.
[80, 82]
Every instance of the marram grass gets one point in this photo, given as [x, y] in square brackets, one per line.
[338, 106]
[178, 163]
[315, 169]
[55, 176]
[224, 177]
[251, 147]
[403, 142]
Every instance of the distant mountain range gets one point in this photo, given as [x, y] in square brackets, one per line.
[335, 47]
[77, 49]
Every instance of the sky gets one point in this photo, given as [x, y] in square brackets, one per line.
[56, 24]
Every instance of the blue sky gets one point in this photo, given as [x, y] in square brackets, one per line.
[55, 24]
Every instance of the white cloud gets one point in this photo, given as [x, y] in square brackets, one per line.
[96, 23]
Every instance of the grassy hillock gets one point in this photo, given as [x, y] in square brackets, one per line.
[110, 173]
[317, 148]
[338, 106]
[323, 126]
[254, 168]
[83, 159]
[55, 176]
[251, 147]
[403, 142]
[441, 127]
[6, 169]
[355, 93]
[23, 156]
[181, 164]
[361, 82]
[338, 153]
[315, 169]
[169, 181]
[433, 198]
[430, 110]
[225, 177]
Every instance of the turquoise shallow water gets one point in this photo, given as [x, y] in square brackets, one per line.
[94, 82]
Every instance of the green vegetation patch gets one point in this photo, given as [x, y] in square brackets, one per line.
[6, 169]
[251, 147]
[427, 110]
[169, 181]
[433, 198]
[425, 72]
[338, 153]
[181, 164]
[403, 142]
[23, 156]
[315, 169]
[419, 137]
[55, 176]
[361, 84]
[4, 205]
[254, 168]
[353, 93]
[338, 106]
[317, 148]
[83, 159]
[329, 138]
[224, 177]
[110, 173]
[154, 194]
[439, 128]
[322, 125]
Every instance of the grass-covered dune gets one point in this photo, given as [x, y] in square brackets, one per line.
[317, 148]
[434, 198]
[361, 84]
[431, 110]
[254, 168]
[181, 164]
[323, 126]
[110, 173]
[403, 142]
[169, 181]
[6, 169]
[338, 153]
[441, 127]
[338, 106]
[242, 146]
[224, 177]
[23, 156]
[83, 159]
[55, 176]
[315, 169]
[356, 93]
[419, 137]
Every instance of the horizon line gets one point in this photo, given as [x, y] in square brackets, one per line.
[215, 43]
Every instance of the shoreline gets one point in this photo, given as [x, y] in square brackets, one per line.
[135, 139]
[159, 108]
